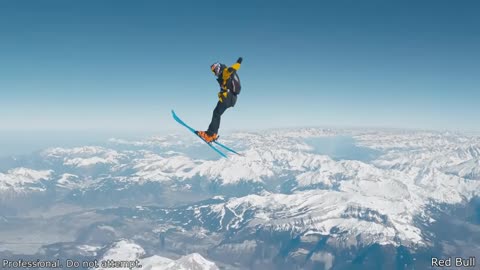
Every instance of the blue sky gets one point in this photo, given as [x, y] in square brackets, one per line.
[122, 65]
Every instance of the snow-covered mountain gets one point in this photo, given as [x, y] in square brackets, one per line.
[382, 189]
[132, 255]
[192, 261]
[24, 180]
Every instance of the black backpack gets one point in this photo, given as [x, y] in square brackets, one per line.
[234, 83]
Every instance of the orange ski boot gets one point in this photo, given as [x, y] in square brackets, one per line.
[204, 135]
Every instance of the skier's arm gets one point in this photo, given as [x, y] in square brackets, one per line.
[236, 66]
[230, 70]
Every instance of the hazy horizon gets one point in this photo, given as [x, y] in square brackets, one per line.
[25, 142]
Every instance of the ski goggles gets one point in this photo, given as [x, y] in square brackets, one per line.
[215, 68]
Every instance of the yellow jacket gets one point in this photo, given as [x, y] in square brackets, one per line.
[229, 80]
[227, 73]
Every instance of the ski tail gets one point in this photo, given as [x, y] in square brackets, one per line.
[216, 149]
[227, 148]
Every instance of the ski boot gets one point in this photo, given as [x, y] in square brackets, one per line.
[208, 138]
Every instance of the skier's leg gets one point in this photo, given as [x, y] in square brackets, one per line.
[217, 114]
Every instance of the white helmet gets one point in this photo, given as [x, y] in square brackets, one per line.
[216, 68]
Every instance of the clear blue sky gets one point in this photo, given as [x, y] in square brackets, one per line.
[122, 65]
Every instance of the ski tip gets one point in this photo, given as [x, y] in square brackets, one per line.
[174, 115]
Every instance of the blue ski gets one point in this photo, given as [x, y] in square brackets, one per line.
[194, 132]
[227, 148]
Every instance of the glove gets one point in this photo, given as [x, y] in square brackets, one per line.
[222, 95]
[239, 60]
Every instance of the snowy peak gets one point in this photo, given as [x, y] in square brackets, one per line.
[308, 212]
[127, 250]
[124, 250]
[24, 178]
[192, 261]
[84, 157]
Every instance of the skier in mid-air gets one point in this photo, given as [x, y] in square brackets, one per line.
[230, 87]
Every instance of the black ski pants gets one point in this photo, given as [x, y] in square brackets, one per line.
[223, 105]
